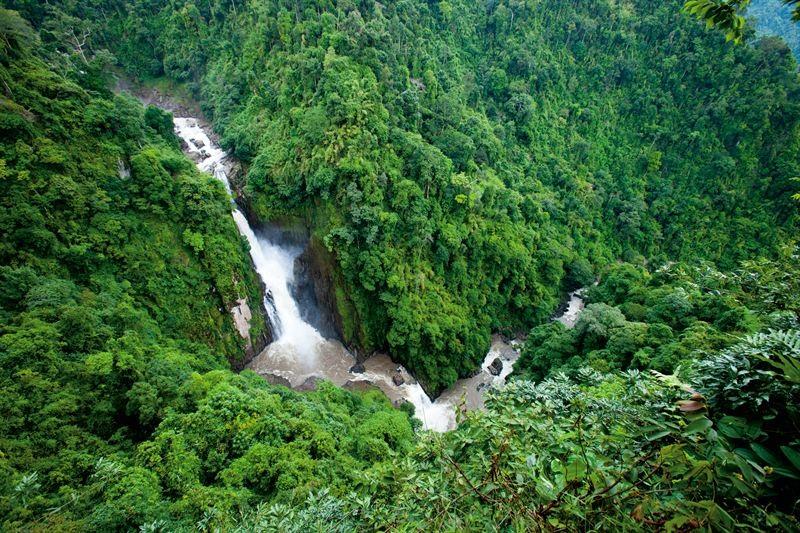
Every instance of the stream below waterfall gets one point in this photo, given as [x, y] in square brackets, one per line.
[300, 354]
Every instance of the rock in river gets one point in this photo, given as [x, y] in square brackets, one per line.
[274, 379]
[310, 384]
[359, 385]
[496, 367]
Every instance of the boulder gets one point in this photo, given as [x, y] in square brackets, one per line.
[398, 379]
[273, 379]
[357, 368]
[310, 384]
[358, 385]
[496, 367]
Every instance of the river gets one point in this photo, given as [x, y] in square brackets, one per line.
[300, 353]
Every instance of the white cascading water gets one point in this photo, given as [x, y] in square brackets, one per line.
[294, 336]
[300, 351]
[274, 264]
[574, 309]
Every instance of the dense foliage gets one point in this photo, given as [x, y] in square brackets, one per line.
[114, 251]
[97, 198]
[713, 448]
[605, 452]
[465, 163]
[678, 314]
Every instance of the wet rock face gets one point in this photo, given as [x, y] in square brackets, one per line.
[496, 367]
[153, 96]
[254, 347]
[237, 176]
[195, 157]
[314, 266]
[305, 292]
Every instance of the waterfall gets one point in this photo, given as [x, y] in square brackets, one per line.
[274, 263]
[300, 351]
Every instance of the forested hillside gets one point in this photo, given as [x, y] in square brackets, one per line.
[119, 261]
[465, 164]
[666, 319]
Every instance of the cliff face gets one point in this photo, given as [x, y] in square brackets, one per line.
[332, 300]
[237, 177]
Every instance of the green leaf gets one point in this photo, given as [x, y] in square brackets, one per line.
[766, 455]
[731, 426]
[659, 435]
[735, 427]
[793, 456]
[576, 469]
[786, 472]
[698, 426]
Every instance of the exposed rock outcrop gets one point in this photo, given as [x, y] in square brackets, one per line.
[310, 384]
[242, 319]
[274, 379]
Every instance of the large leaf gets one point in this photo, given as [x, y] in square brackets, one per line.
[793, 456]
[766, 455]
[698, 426]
